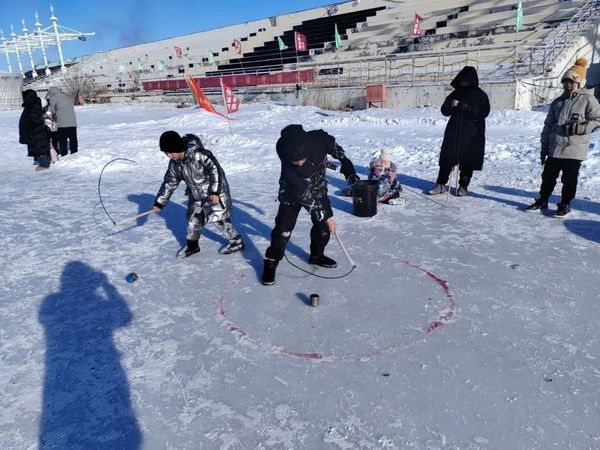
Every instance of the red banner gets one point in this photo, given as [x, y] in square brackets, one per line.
[232, 102]
[416, 30]
[200, 97]
[178, 52]
[306, 76]
[301, 42]
[238, 46]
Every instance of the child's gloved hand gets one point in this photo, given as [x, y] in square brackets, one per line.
[214, 198]
[352, 179]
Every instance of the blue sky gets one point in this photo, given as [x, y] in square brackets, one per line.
[120, 23]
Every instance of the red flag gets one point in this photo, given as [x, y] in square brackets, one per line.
[178, 51]
[416, 30]
[238, 46]
[200, 97]
[301, 41]
[232, 103]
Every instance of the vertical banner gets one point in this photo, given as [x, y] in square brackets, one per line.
[232, 102]
[519, 16]
[160, 64]
[416, 29]
[338, 38]
[238, 46]
[301, 41]
[282, 45]
[211, 57]
[178, 52]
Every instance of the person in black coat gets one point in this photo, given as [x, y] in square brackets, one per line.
[32, 130]
[464, 139]
[303, 184]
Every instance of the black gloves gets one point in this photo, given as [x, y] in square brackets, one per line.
[352, 179]
[543, 155]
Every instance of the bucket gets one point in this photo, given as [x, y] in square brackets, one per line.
[364, 198]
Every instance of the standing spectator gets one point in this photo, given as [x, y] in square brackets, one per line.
[302, 184]
[50, 122]
[32, 130]
[566, 138]
[63, 106]
[464, 139]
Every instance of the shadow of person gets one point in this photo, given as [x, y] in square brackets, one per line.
[248, 225]
[587, 229]
[174, 216]
[86, 401]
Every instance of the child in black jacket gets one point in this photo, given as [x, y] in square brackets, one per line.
[302, 184]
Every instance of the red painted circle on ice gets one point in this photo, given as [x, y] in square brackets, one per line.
[443, 318]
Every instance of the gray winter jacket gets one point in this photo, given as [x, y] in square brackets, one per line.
[569, 124]
[63, 106]
[203, 176]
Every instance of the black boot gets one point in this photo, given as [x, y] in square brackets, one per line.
[537, 205]
[322, 260]
[268, 277]
[562, 210]
[235, 245]
[191, 248]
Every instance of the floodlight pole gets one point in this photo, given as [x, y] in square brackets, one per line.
[4, 44]
[54, 19]
[26, 34]
[38, 31]
[14, 41]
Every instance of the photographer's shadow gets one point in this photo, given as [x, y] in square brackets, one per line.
[86, 399]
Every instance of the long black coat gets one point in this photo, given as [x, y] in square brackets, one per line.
[464, 138]
[32, 130]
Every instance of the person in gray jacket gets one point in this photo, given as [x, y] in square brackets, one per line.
[63, 107]
[207, 188]
[566, 137]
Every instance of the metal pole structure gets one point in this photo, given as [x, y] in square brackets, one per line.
[38, 31]
[14, 41]
[4, 44]
[26, 34]
[54, 19]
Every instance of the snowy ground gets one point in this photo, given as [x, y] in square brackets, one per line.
[468, 327]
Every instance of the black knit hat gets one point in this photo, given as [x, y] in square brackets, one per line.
[293, 145]
[171, 142]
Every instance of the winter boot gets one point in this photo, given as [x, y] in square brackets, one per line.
[235, 245]
[562, 210]
[322, 260]
[191, 248]
[270, 267]
[437, 190]
[537, 205]
[462, 191]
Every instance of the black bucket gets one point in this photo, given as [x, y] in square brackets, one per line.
[364, 198]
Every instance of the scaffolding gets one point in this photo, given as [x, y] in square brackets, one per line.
[40, 39]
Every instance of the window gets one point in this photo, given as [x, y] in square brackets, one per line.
[181, 70]
[191, 65]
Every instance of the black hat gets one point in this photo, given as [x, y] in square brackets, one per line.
[293, 143]
[171, 142]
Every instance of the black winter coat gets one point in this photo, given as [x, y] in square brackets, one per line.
[32, 130]
[464, 138]
[307, 184]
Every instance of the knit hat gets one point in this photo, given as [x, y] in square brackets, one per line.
[171, 142]
[577, 72]
[386, 155]
[292, 145]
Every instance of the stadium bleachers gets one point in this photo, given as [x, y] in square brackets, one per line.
[10, 91]
[377, 46]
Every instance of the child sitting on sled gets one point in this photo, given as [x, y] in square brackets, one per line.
[383, 169]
